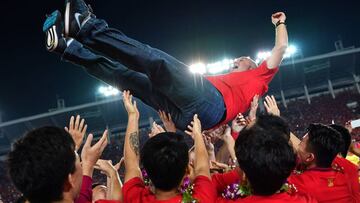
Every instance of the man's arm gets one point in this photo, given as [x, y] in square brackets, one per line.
[272, 108]
[89, 156]
[77, 130]
[281, 40]
[131, 146]
[201, 162]
[114, 184]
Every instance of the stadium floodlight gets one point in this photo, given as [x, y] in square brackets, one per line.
[262, 55]
[290, 51]
[219, 66]
[108, 91]
[212, 68]
[199, 68]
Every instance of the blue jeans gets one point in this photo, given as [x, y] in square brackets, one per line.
[158, 79]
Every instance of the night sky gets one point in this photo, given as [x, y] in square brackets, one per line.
[31, 78]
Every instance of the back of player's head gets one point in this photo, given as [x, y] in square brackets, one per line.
[266, 158]
[40, 162]
[271, 122]
[165, 159]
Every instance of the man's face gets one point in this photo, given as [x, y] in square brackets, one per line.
[304, 155]
[244, 63]
[77, 177]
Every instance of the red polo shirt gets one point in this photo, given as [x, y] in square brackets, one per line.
[239, 88]
[328, 185]
[275, 198]
[134, 191]
[221, 181]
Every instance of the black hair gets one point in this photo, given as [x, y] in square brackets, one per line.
[266, 158]
[325, 143]
[272, 122]
[346, 136]
[165, 159]
[40, 163]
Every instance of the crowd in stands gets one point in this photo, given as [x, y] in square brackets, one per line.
[236, 158]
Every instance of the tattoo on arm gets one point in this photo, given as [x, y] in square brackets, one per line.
[134, 142]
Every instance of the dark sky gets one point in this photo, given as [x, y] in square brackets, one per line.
[30, 77]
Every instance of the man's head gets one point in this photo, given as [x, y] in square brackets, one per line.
[44, 166]
[273, 123]
[346, 136]
[319, 146]
[244, 63]
[165, 159]
[266, 158]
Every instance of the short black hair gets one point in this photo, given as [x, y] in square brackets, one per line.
[40, 163]
[325, 143]
[165, 158]
[272, 122]
[346, 136]
[266, 158]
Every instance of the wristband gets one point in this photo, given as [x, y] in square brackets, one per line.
[279, 23]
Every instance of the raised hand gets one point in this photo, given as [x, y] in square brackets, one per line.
[167, 121]
[130, 105]
[119, 164]
[254, 107]
[271, 106]
[219, 166]
[238, 123]
[208, 143]
[155, 129]
[90, 154]
[77, 130]
[105, 166]
[195, 128]
[278, 16]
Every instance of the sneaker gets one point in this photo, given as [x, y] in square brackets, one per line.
[53, 28]
[76, 15]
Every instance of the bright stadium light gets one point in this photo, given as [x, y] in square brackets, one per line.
[212, 68]
[199, 68]
[219, 66]
[262, 55]
[290, 51]
[108, 91]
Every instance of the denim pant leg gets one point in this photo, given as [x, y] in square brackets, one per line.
[170, 76]
[117, 75]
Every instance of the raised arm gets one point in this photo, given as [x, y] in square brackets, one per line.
[114, 184]
[281, 40]
[132, 145]
[201, 162]
[272, 108]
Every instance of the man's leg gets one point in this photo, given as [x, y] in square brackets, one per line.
[117, 75]
[172, 78]
[167, 74]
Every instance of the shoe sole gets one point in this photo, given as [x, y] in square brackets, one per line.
[49, 27]
[67, 19]
[51, 39]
